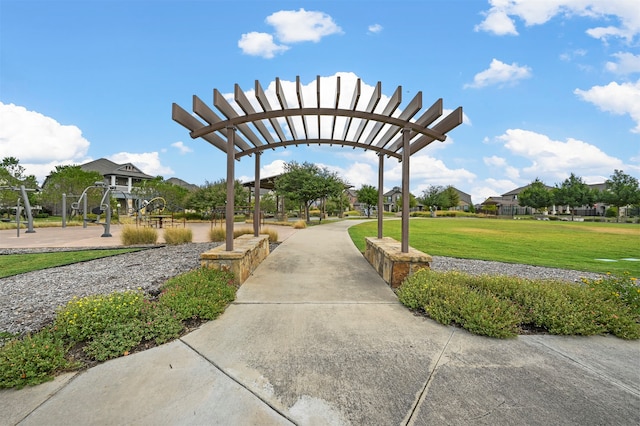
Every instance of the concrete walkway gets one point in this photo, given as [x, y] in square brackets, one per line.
[315, 337]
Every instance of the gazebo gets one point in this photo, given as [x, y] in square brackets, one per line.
[258, 124]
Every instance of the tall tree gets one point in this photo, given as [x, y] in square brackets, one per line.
[449, 198]
[536, 195]
[621, 190]
[573, 192]
[367, 195]
[70, 180]
[213, 195]
[306, 183]
[432, 196]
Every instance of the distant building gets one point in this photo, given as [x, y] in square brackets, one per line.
[120, 176]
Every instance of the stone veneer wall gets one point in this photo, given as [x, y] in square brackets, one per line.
[248, 252]
[385, 255]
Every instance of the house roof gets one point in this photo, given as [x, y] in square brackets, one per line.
[182, 183]
[107, 168]
[464, 197]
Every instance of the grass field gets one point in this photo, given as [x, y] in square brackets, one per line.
[594, 247]
[20, 263]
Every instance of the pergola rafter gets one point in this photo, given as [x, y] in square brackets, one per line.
[245, 130]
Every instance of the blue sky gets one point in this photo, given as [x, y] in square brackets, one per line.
[548, 87]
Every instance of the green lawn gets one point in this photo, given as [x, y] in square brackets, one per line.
[569, 245]
[20, 263]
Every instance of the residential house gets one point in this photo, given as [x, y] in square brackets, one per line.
[464, 201]
[121, 177]
[508, 204]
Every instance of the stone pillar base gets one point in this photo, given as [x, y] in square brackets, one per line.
[385, 255]
[248, 252]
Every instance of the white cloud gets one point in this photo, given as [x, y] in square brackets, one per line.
[499, 19]
[491, 188]
[555, 160]
[33, 137]
[628, 63]
[425, 170]
[296, 26]
[274, 168]
[577, 53]
[616, 98]
[148, 162]
[260, 44]
[501, 74]
[498, 22]
[494, 161]
[375, 28]
[39, 142]
[181, 147]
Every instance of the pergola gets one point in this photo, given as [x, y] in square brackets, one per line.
[256, 125]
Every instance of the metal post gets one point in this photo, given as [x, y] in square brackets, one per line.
[229, 212]
[380, 191]
[84, 209]
[64, 210]
[406, 154]
[256, 209]
[18, 218]
[27, 206]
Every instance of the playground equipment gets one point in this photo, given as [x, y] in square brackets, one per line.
[103, 207]
[27, 207]
[149, 211]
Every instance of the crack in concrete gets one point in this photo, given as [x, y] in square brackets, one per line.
[242, 385]
[423, 393]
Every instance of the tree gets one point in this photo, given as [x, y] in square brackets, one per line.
[440, 197]
[173, 195]
[449, 198]
[536, 196]
[12, 176]
[573, 192]
[413, 201]
[621, 190]
[367, 195]
[212, 196]
[431, 196]
[70, 180]
[306, 183]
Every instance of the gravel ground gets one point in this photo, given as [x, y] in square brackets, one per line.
[29, 301]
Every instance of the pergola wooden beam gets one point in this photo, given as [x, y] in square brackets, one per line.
[236, 134]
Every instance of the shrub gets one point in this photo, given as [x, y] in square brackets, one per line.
[498, 305]
[446, 299]
[611, 212]
[314, 213]
[31, 360]
[175, 236]
[90, 316]
[300, 224]
[132, 235]
[203, 293]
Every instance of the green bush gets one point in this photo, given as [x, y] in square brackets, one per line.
[133, 235]
[175, 236]
[32, 360]
[90, 316]
[203, 293]
[448, 300]
[498, 305]
[611, 212]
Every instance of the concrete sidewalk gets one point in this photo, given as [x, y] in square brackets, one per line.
[315, 337]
